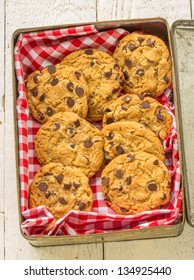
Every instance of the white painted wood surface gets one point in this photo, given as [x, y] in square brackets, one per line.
[2, 106]
[1, 236]
[27, 13]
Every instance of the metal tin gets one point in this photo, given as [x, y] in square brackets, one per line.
[183, 51]
[154, 26]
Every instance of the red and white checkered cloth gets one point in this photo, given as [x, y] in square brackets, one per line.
[36, 50]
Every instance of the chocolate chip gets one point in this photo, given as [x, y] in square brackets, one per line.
[89, 52]
[77, 123]
[152, 187]
[62, 201]
[150, 61]
[169, 185]
[40, 116]
[69, 86]
[49, 111]
[107, 198]
[48, 174]
[164, 197]
[42, 98]
[109, 136]
[57, 126]
[81, 205]
[140, 40]
[128, 180]
[47, 194]
[166, 79]
[67, 186]
[120, 150]
[123, 108]
[51, 69]
[156, 162]
[159, 116]
[76, 186]
[131, 46]
[123, 210]
[105, 181]
[140, 72]
[108, 74]
[43, 186]
[35, 78]
[108, 110]
[116, 67]
[126, 75]
[54, 82]
[70, 102]
[150, 42]
[128, 62]
[131, 157]
[120, 188]
[88, 143]
[109, 120]
[71, 130]
[79, 91]
[59, 178]
[141, 97]
[108, 98]
[72, 146]
[145, 105]
[92, 63]
[121, 82]
[126, 99]
[34, 92]
[78, 75]
[119, 174]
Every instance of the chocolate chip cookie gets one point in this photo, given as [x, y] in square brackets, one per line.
[136, 182]
[71, 140]
[56, 88]
[146, 64]
[61, 189]
[143, 109]
[127, 137]
[103, 75]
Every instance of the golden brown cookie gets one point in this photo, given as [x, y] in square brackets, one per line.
[103, 75]
[56, 88]
[71, 140]
[146, 64]
[136, 182]
[129, 137]
[143, 109]
[61, 189]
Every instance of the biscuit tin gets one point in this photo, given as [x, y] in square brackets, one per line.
[183, 45]
[154, 26]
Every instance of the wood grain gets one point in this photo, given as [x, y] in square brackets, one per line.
[113, 9]
[175, 248]
[1, 236]
[29, 14]
[2, 106]
[170, 10]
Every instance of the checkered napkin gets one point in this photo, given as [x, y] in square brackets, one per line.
[36, 50]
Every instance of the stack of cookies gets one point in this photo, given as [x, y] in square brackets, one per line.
[86, 87]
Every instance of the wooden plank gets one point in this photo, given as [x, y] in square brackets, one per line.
[170, 10]
[174, 248]
[166, 248]
[29, 13]
[113, 9]
[2, 106]
[1, 236]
